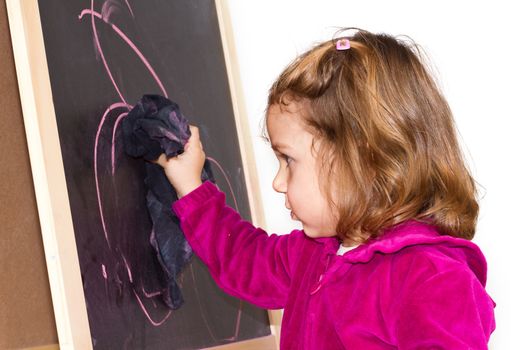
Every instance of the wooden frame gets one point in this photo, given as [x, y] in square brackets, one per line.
[50, 184]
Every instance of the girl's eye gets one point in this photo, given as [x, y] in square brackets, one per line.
[283, 158]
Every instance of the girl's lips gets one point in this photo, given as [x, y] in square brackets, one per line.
[293, 216]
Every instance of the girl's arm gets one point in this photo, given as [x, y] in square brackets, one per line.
[242, 259]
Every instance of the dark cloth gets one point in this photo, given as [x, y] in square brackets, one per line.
[155, 126]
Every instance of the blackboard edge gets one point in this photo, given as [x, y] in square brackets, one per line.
[243, 132]
[48, 174]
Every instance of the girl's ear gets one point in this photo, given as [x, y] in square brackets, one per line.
[317, 140]
[314, 148]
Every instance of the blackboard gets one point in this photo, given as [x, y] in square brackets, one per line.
[102, 56]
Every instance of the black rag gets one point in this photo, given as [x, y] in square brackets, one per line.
[155, 126]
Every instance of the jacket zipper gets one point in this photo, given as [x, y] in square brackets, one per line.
[318, 284]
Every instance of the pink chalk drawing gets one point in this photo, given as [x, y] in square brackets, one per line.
[114, 113]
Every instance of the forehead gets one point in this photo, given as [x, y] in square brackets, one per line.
[280, 118]
[286, 125]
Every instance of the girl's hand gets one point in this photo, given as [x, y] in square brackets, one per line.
[184, 170]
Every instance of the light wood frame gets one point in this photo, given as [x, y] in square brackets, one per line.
[50, 184]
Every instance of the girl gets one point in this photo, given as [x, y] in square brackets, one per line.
[370, 165]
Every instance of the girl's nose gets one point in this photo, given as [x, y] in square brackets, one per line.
[279, 182]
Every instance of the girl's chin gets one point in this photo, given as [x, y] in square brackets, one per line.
[311, 232]
[315, 234]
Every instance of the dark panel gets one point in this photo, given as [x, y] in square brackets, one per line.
[98, 69]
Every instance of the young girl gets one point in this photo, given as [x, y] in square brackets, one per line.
[370, 165]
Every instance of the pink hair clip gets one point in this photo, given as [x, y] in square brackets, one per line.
[342, 44]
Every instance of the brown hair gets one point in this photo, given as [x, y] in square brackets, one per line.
[388, 150]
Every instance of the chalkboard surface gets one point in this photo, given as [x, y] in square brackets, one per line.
[102, 57]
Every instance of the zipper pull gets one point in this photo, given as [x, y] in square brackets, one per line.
[318, 285]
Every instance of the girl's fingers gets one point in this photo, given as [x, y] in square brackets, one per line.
[193, 141]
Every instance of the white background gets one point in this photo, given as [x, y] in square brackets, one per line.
[469, 45]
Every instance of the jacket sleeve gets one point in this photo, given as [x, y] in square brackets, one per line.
[450, 310]
[243, 260]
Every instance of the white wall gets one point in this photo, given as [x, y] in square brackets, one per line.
[469, 43]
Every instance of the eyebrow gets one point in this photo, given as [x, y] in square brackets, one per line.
[279, 147]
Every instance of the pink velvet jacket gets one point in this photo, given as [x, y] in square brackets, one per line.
[409, 289]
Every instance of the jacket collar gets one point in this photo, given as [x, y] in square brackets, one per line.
[410, 233]
[393, 239]
[403, 235]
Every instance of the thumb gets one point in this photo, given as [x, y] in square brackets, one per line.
[161, 161]
[194, 139]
